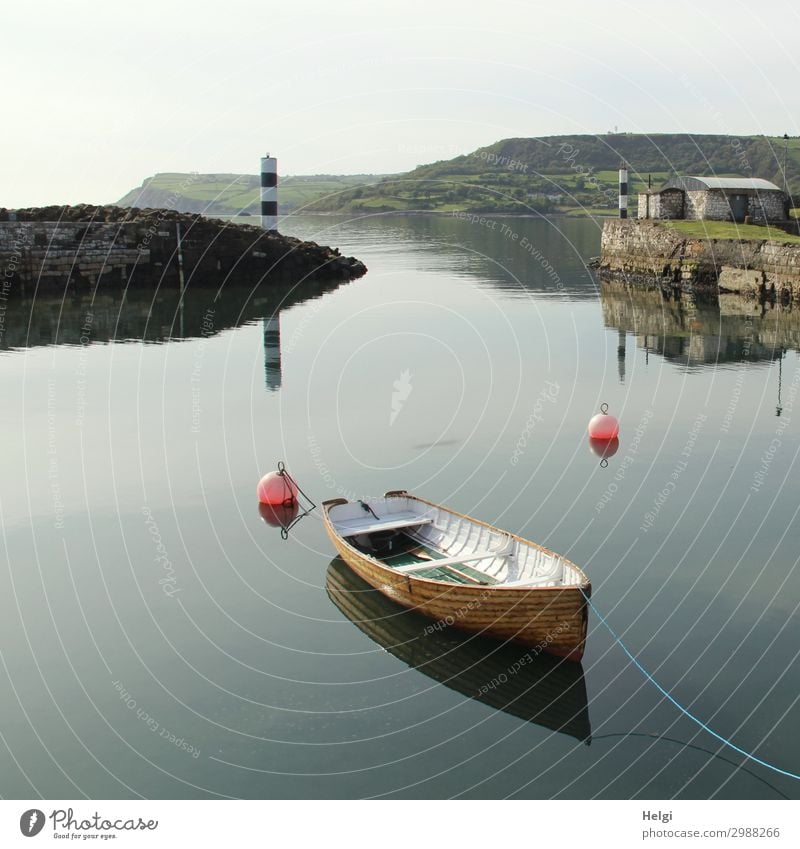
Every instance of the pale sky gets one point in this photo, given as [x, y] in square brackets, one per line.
[98, 96]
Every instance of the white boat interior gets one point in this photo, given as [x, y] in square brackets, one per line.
[432, 542]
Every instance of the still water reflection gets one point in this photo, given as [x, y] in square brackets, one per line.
[531, 686]
[699, 333]
[159, 639]
[155, 316]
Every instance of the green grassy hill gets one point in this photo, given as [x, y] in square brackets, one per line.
[232, 194]
[569, 174]
[573, 174]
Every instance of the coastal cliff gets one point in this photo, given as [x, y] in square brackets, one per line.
[114, 248]
[652, 254]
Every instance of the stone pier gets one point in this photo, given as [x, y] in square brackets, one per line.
[114, 248]
[648, 253]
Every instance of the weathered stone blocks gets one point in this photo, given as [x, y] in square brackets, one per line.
[750, 267]
[85, 244]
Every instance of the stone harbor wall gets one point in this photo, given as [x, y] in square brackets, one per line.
[70, 250]
[83, 247]
[645, 253]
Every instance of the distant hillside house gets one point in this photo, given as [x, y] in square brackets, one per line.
[716, 199]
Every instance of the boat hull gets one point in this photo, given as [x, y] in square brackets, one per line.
[544, 619]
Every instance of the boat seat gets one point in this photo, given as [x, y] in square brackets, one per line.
[453, 561]
[370, 525]
[461, 575]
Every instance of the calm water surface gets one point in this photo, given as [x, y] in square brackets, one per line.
[160, 640]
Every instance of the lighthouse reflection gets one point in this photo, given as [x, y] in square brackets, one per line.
[272, 351]
[155, 316]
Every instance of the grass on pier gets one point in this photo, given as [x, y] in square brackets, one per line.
[729, 230]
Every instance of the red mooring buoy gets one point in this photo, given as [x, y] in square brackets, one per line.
[279, 515]
[603, 426]
[604, 448]
[277, 489]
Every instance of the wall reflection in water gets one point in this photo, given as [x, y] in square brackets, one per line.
[154, 316]
[696, 333]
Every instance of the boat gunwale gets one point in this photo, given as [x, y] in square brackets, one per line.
[584, 586]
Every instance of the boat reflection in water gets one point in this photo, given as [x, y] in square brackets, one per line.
[541, 689]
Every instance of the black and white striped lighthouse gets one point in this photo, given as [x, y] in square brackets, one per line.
[269, 192]
[623, 190]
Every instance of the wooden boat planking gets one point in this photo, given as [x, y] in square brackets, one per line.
[551, 619]
[547, 691]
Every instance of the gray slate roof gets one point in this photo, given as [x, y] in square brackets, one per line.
[694, 184]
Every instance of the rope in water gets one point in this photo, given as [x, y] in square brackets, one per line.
[685, 711]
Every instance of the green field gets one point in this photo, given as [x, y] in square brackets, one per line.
[729, 230]
[231, 194]
[574, 175]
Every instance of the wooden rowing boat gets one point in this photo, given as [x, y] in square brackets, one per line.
[462, 572]
[546, 691]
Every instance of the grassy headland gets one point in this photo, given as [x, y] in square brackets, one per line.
[236, 194]
[552, 174]
[729, 230]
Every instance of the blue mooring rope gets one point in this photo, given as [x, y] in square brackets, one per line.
[685, 711]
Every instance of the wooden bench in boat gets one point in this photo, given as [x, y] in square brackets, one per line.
[478, 577]
[454, 561]
[369, 525]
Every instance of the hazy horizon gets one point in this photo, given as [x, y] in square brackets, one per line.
[103, 96]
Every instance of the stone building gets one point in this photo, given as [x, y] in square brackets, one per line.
[716, 199]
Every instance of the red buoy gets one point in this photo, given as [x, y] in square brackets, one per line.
[277, 489]
[603, 426]
[280, 515]
[604, 448]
